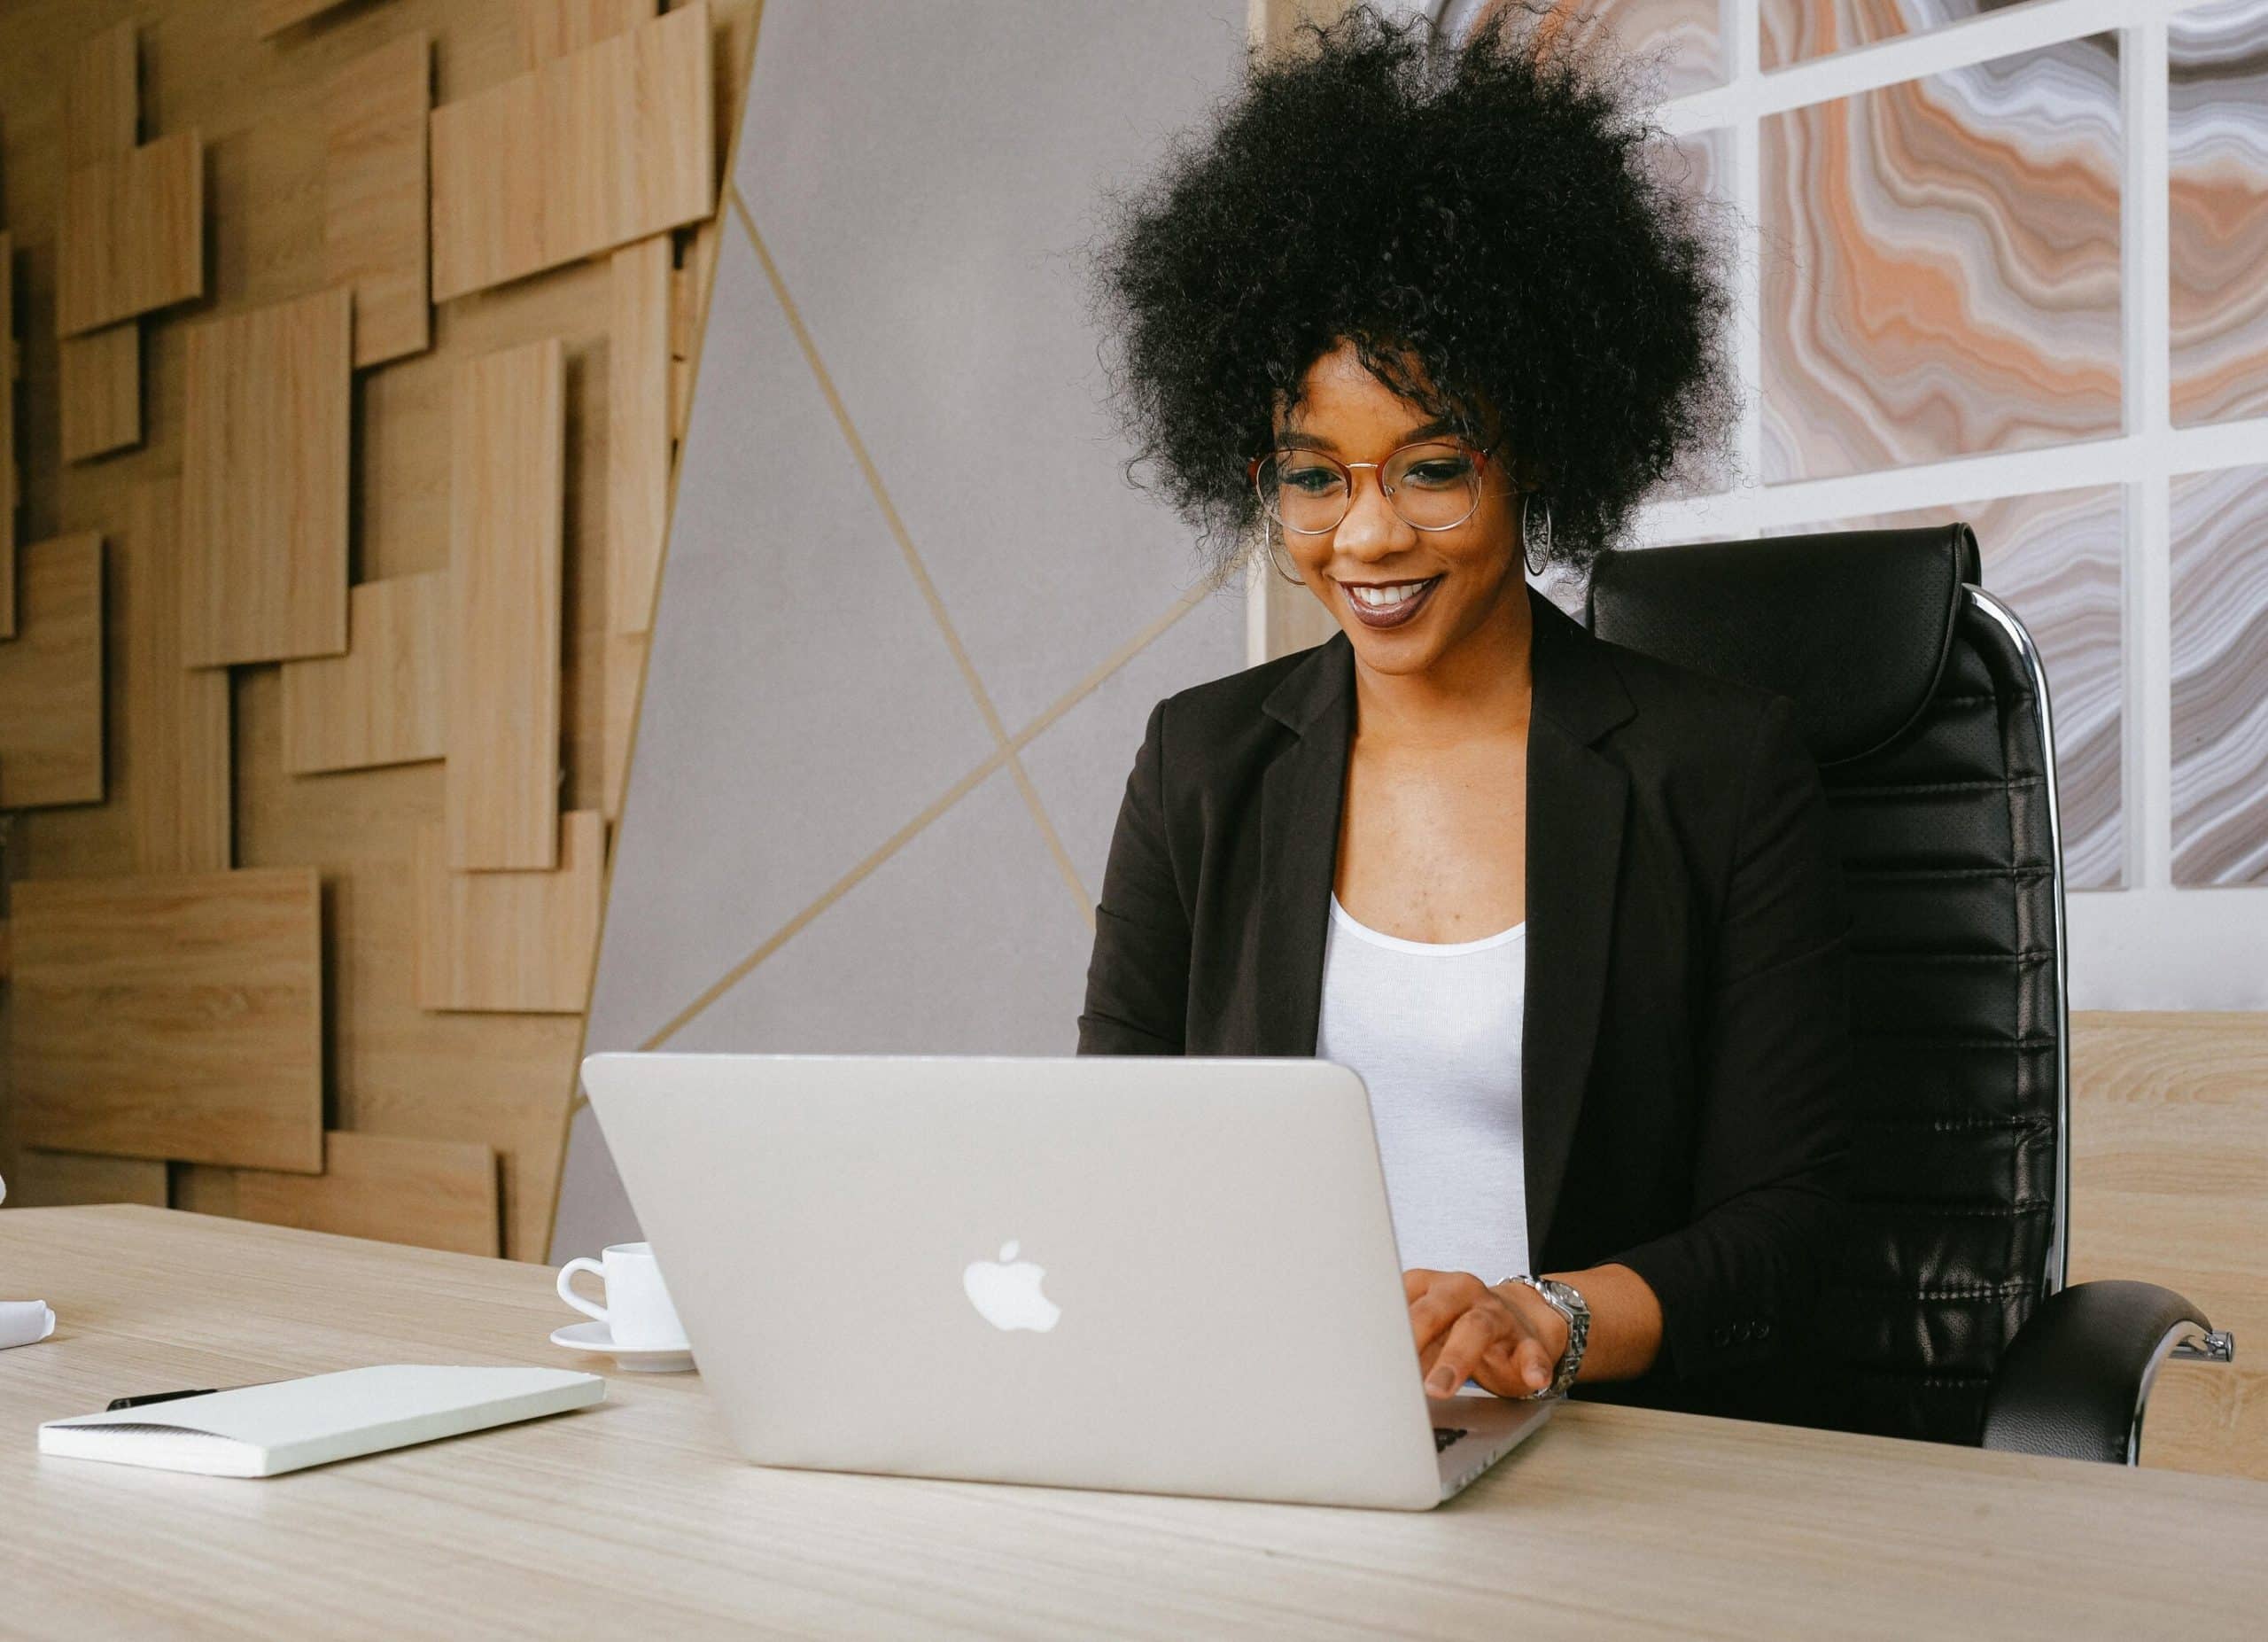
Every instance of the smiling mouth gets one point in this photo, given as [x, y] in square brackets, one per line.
[1389, 603]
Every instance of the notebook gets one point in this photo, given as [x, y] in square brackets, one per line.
[264, 1430]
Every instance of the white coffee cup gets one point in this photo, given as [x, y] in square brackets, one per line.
[638, 1314]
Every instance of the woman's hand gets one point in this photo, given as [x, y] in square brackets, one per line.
[1508, 1339]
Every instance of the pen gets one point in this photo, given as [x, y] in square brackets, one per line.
[117, 1402]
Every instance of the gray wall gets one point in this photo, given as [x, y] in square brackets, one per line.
[842, 832]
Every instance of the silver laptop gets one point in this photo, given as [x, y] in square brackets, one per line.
[1166, 1275]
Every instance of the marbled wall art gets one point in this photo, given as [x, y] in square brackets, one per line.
[1941, 265]
[2056, 560]
[2216, 62]
[1790, 31]
[2220, 677]
[1684, 40]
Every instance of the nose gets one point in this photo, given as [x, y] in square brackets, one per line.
[1371, 530]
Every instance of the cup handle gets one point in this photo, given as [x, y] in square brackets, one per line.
[567, 1286]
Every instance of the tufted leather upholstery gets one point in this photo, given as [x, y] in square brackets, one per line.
[1919, 704]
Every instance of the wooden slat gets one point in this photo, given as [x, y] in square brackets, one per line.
[100, 390]
[264, 483]
[506, 473]
[550, 29]
[51, 678]
[433, 1194]
[133, 234]
[638, 431]
[43, 1179]
[178, 775]
[375, 212]
[175, 1017]
[686, 317]
[10, 494]
[511, 942]
[589, 152]
[383, 702]
[101, 97]
[2169, 1185]
[276, 16]
[626, 666]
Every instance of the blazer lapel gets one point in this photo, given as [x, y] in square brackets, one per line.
[1576, 801]
[1300, 797]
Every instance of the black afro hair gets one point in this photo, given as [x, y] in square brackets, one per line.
[1488, 224]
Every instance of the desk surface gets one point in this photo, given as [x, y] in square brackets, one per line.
[1618, 1520]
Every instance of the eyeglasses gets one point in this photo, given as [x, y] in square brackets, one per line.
[1434, 485]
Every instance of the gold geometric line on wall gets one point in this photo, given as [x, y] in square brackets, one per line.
[1005, 752]
[904, 540]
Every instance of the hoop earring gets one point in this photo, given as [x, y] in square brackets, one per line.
[1535, 539]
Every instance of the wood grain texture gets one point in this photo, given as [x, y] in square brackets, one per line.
[550, 29]
[375, 209]
[503, 808]
[180, 759]
[431, 1194]
[2169, 1185]
[511, 941]
[276, 16]
[171, 1016]
[100, 388]
[51, 678]
[1610, 1522]
[638, 431]
[43, 1179]
[10, 492]
[265, 483]
[625, 672]
[133, 238]
[102, 96]
[385, 701]
[590, 151]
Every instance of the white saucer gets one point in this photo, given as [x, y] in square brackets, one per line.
[643, 1361]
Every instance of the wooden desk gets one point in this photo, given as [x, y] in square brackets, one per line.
[636, 1516]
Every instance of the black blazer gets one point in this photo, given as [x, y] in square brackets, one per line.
[1683, 1063]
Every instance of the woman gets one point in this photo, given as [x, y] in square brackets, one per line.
[1430, 319]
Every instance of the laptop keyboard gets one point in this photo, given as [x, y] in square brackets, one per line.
[1443, 1435]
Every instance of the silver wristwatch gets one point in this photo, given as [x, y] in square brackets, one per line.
[1569, 1303]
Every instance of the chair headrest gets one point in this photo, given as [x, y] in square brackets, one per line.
[1854, 626]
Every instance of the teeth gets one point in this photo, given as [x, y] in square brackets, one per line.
[1386, 598]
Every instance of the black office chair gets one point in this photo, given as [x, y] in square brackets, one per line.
[1923, 698]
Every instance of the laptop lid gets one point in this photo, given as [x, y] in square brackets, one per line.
[1170, 1275]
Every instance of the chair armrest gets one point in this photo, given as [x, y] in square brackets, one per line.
[2075, 1380]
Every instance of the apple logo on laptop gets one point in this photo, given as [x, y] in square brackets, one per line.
[1005, 1293]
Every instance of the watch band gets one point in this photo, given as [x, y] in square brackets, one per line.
[1569, 1302]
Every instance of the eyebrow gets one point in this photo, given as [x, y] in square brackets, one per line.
[1291, 438]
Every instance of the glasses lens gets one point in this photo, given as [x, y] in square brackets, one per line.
[1302, 490]
[1434, 486]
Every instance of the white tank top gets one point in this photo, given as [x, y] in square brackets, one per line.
[1434, 1029]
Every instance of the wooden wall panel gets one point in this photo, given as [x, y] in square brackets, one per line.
[375, 212]
[384, 701]
[607, 145]
[100, 388]
[435, 1194]
[638, 431]
[276, 16]
[102, 96]
[505, 489]
[2169, 1185]
[172, 1016]
[626, 671]
[511, 941]
[550, 29]
[179, 760]
[132, 236]
[57, 1179]
[51, 678]
[265, 483]
[9, 495]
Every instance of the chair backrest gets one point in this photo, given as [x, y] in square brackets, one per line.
[1923, 698]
